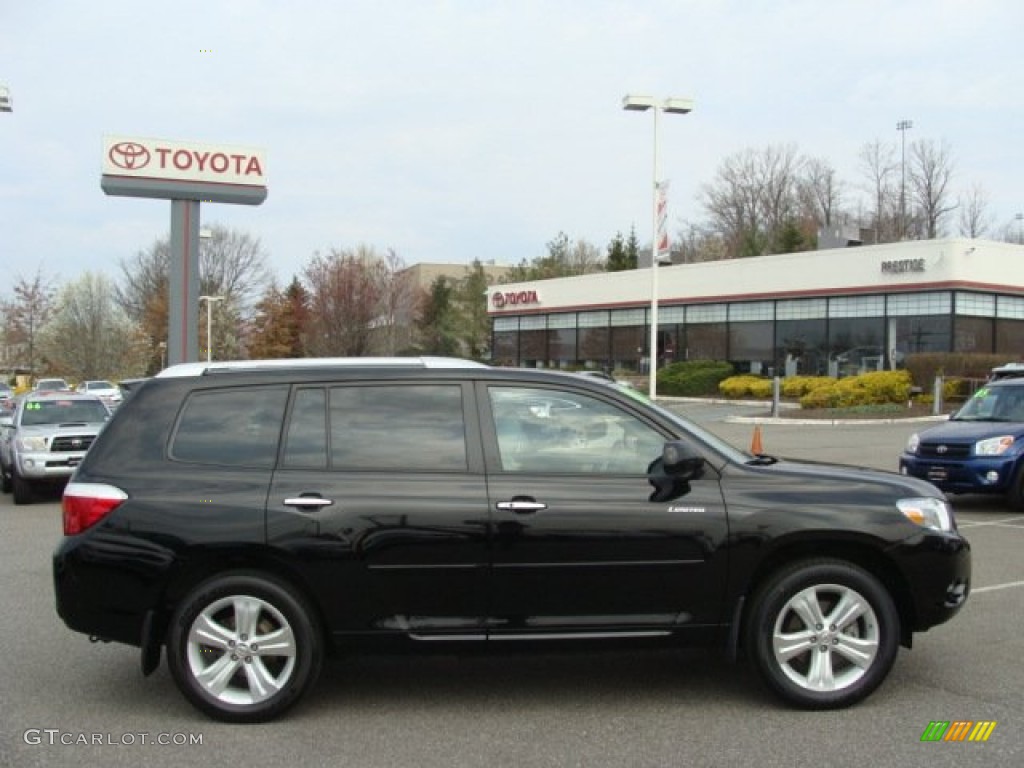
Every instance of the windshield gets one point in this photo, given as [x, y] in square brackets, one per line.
[994, 404]
[63, 412]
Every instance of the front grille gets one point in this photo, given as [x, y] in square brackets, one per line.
[70, 443]
[944, 450]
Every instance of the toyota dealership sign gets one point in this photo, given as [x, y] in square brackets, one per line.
[177, 169]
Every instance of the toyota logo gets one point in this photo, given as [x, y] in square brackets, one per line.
[129, 155]
[942, 449]
[498, 299]
[76, 442]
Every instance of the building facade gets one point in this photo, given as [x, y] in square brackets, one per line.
[831, 312]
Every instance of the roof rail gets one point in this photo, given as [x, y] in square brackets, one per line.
[185, 370]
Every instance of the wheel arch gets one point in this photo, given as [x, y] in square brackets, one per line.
[201, 564]
[857, 553]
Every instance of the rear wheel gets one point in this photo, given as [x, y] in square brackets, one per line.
[243, 648]
[823, 633]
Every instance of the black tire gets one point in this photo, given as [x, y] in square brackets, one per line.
[204, 637]
[811, 665]
[24, 493]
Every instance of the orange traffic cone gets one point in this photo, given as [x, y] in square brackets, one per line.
[756, 446]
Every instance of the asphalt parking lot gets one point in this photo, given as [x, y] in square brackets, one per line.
[610, 708]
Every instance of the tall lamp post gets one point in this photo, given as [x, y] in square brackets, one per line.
[675, 106]
[903, 126]
[209, 323]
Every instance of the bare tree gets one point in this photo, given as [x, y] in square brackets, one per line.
[821, 191]
[398, 305]
[26, 315]
[345, 289]
[931, 170]
[753, 203]
[90, 336]
[231, 264]
[974, 218]
[878, 164]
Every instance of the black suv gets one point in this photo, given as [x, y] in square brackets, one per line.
[252, 517]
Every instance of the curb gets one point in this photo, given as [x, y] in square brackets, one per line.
[831, 422]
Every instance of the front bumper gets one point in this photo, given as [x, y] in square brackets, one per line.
[937, 568]
[47, 465]
[978, 474]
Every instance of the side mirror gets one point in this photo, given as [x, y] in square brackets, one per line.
[680, 460]
[670, 475]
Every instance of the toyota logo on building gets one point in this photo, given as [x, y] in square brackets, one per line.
[498, 299]
[129, 155]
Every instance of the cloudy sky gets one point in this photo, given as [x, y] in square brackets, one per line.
[454, 129]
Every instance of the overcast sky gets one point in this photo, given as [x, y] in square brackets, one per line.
[454, 130]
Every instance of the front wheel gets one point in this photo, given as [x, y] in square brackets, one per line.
[24, 493]
[243, 648]
[823, 634]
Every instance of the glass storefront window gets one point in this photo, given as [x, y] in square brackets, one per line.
[855, 345]
[973, 334]
[705, 341]
[801, 348]
[751, 346]
[1010, 338]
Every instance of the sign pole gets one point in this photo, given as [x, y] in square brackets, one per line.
[183, 309]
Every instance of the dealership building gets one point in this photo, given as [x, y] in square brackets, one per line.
[827, 312]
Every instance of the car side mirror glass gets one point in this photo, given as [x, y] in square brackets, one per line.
[671, 473]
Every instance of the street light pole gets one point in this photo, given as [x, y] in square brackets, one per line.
[902, 126]
[673, 106]
[209, 323]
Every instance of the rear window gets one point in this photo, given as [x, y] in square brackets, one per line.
[236, 427]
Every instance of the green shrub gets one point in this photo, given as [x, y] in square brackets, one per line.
[693, 378]
[746, 385]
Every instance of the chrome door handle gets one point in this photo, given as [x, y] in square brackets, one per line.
[521, 506]
[310, 502]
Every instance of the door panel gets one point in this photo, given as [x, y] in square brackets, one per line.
[380, 499]
[591, 553]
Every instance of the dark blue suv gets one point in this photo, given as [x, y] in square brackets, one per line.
[980, 449]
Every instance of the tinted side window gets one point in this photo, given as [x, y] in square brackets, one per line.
[398, 428]
[239, 427]
[306, 442]
[547, 430]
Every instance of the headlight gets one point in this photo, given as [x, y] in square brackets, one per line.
[913, 442]
[32, 443]
[993, 446]
[928, 513]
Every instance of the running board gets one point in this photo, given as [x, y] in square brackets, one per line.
[547, 636]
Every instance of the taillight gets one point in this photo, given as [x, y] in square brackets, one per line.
[85, 504]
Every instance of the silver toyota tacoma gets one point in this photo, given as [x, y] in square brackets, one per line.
[45, 438]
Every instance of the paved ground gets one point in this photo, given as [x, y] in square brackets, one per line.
[616, 708]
